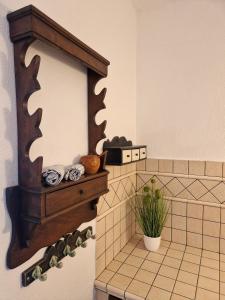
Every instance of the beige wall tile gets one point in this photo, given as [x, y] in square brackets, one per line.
[164, 283]
[210, 254]
[120, 281]
[111, 171]
[195, 210]
[140, 252]
[187, 277]
[194, 225]
[172, 262]
[116, 215]
[168, 220]
[178, 297]
[123, 210]
[137, 288]
[116, 231]
[214, 169]
[145, 276]
[203, 294]
[150, 266]
[158, 294]
[179, 222]
[123, 170]
[177, 247]
[184, 289]
[197, 189]
[168, 272]
[102, 206]
[141, 165]
[116, 247]
[222, 276]
[222, 290]
[165, 166]
[209, 273]
[109, 255]
[196, 167]
[175, 187]
[121, 256]
[210, 263]
[117, 171]
[166, 234]
[179, 208]
[156, 257]
[195, 259]
[100, 264]
[211, 213]
[114, 265]
[193, 250]
[194, 240]
[125, 237]
[105, 276]
[211, 243]
[211, 228]
[134, 261]
[189, 267]
[127, 270]
[152, 165]
[109, 221]
[100, 246]
[180, 166]
[209, 284]
[179, 236]
[222, 246]
[222, 215]
[109, 238]
[100, 228]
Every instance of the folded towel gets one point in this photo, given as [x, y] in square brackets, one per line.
[74, 172]
[53, 175]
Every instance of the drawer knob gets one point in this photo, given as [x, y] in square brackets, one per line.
[81, 192]
[136, 154]
[128, 155]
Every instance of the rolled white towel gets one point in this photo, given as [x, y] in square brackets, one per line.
[53, 175]
[74, 172]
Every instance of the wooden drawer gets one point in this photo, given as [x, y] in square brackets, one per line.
[135, 154]
[143, 153]
[61, 199]
[126, 156]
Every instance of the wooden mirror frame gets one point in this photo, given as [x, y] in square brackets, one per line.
[34, 224]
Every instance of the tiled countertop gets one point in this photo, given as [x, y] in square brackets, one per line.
[174, 272]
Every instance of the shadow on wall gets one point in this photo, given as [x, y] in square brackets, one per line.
[8, 159]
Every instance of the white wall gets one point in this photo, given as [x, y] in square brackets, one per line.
[181, 76]
[110, 28]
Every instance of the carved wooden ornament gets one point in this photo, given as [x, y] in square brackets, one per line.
[39, 215]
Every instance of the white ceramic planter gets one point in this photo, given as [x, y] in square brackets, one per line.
[152, 244]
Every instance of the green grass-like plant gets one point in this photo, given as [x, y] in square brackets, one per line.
[151, 210]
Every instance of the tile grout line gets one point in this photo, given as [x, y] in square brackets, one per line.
[158, 270]
[178, 272]
[200, 257]
[219, 251]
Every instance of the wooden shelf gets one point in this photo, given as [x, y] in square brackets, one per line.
[41, 215]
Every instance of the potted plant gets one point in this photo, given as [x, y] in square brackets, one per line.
[151, 211]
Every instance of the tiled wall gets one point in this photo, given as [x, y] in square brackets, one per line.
[115, 222]
[196, 193]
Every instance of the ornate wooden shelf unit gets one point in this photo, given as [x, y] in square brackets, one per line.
[41, 215]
